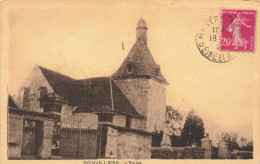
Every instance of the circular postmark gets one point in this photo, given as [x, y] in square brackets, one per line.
[207, 41]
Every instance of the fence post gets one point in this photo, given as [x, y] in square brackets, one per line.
[223, 150]
[206, 143]
[105, 117]
[79, 127]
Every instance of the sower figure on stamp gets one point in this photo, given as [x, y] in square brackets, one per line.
[235, 26]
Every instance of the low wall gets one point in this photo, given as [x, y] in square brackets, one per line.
[125, 143]
[178, 153]
[19, 138]
[15, 127]
[240, 155]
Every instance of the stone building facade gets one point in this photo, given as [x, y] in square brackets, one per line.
[29, 133]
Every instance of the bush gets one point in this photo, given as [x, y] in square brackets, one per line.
[176, 141]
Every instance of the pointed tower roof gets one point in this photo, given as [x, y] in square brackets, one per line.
[139, 62]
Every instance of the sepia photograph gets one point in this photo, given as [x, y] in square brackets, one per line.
[140, 80]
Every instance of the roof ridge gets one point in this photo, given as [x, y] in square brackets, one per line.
[41, 67]
[90, 78]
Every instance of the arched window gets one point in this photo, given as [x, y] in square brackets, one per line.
[43, 92]
[24, 94]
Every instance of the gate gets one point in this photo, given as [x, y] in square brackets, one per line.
[78, 140]
[32, 137]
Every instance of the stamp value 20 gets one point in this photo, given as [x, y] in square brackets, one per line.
[238, 30]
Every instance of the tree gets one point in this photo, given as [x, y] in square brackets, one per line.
[235, 142]
[193, 130]
[231, 138]
[173, 119]
[245, 144]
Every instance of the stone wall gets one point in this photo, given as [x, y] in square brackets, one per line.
[240, 154]
[47, 139]
[18, 139]
[119, 120]
[77, 120]
[137, 123]
[222, 150]
[178, 153]
[15, 128]
[156, 105]
[136, 90]
[206, 143]
[148, 96]
[90, 120]
[125, 143]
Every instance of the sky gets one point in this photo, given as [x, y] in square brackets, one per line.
[84, 40]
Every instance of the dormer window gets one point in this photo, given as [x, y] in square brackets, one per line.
[130, 68]
[157, 72]
[43, 92]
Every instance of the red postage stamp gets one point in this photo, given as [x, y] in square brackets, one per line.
[238, 30]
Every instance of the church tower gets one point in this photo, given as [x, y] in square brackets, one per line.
[141, 80]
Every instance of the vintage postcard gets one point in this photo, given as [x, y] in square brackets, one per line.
[130, 82]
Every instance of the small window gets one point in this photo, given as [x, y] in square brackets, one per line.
[158, 70]
[25, 93]
[128, 122]
[130, 68]
[157, 73]
[43, 92]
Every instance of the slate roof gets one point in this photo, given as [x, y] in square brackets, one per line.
[89, 94]
[60, 83]
[142, 62]
[11, 103]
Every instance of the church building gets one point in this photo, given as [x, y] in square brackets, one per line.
[134, 97]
